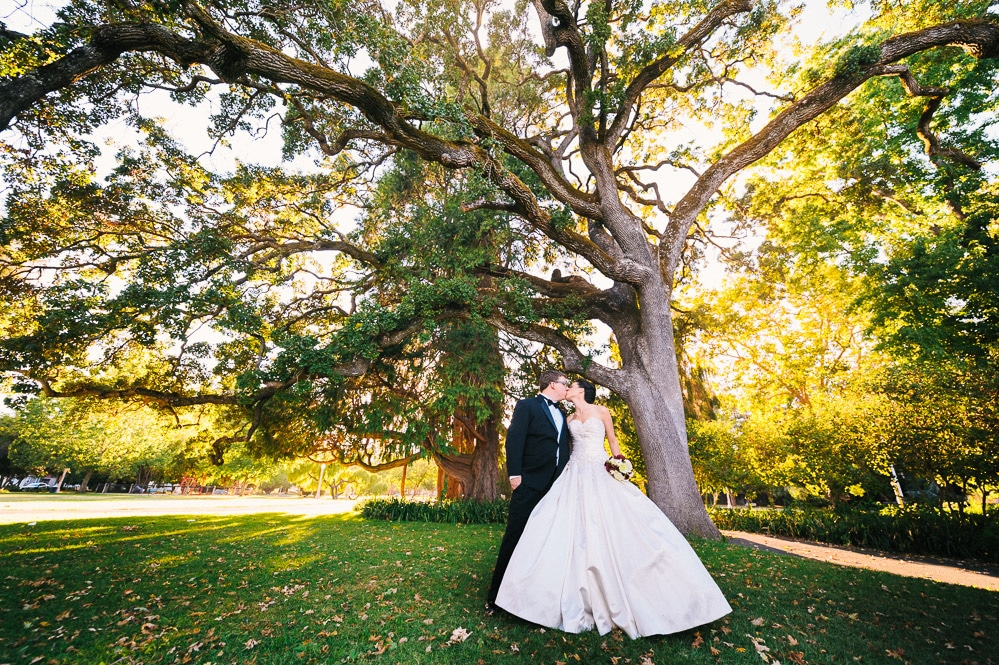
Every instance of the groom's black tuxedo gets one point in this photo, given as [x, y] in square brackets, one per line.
[537, 453]
[533, 444]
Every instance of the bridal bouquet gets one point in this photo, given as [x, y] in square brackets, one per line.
[619, 467]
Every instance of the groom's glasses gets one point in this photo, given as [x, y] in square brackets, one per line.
[564, 383]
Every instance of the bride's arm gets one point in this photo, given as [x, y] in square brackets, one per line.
[609, 429]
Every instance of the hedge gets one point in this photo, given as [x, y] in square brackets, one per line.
[453, 511]
[910, 530]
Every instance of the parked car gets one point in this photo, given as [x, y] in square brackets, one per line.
[38, 487]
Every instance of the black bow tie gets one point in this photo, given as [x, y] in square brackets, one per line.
[550, 402]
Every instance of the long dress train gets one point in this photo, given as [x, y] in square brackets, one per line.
[597, 552]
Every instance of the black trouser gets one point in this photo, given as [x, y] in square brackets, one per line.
[522, 502]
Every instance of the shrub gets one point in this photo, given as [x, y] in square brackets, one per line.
[452, 511]
[909, 530]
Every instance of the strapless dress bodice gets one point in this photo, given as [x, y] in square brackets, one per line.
[588, 439]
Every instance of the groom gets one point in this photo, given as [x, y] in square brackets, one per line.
[537, 448]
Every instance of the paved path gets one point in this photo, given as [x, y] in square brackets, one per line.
[949, 571]
[20, 508]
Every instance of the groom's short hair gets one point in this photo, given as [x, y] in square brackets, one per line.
[549, 376]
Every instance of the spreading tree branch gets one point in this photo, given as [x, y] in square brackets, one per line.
[696, 36]
[932, 144]
[979, 38]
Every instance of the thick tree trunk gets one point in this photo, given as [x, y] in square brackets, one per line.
[651, 387]
[473, 466]
[657, 409]
[477, 472]
[463, 443]
[485, 462]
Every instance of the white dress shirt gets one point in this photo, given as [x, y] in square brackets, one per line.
[559, 424]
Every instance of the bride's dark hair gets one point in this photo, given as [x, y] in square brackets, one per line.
[589, 390]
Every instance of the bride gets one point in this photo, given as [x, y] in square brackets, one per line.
[597, 553]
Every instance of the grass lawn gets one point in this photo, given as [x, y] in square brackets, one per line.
[275, 588]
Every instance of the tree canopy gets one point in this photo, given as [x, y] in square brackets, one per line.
[592, 141]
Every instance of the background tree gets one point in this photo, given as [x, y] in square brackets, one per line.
[569, 154]
[905, 218]
[112, 441]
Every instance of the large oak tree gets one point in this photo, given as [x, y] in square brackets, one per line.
[588, 144]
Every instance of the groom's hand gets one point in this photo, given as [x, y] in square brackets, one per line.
[514, 482]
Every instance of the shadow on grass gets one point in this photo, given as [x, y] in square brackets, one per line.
[276, 588]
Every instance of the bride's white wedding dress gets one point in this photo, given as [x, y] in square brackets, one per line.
[597, 552]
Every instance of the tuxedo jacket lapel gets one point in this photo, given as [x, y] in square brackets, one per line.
[548, 412]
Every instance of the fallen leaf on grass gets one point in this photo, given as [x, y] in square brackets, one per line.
[896, 653]
[714, 651]
[763, 650]
[796, 657]
[698, 641]
[458, 635]
[759, 621]
[250, 643]
[790, 640]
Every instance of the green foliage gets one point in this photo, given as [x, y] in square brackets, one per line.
[941, 419]
[909, 530]
[935, 297]
[860, 328]
[837, 451]
[856, 59]
[450, 511]
[718, 455]
[113, 441]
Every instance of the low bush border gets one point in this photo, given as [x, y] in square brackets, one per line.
[447, 511]
[910, 530]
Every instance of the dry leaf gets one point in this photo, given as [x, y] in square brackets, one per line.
[698, 641]
[458, 635]
[758, 621]
[790, 640]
